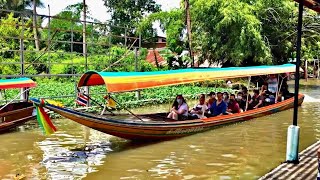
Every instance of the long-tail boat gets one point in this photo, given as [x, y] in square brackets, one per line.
[15, 113]
[157, 126]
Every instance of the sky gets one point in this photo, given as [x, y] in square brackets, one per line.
[97, 9]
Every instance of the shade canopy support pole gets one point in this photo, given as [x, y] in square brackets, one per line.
[247, 98]
[297, 73]
[294, 130]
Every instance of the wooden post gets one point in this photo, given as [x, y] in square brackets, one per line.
[318, 68]
[23, 95]
[84, 27]
[84, 43]
[188, 22]
[306, 70]
[35, 28]
[138, 95]
[314, 68]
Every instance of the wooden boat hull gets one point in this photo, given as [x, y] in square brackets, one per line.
[164, 130]
[15, 115]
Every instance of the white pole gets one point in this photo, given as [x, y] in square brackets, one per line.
[247, 103]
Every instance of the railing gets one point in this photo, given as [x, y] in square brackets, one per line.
[80, 47]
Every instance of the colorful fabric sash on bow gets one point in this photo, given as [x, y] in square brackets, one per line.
[44, 120]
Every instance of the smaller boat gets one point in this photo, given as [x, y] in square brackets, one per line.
[15, 113]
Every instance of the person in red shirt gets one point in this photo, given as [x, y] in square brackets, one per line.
[233, 106]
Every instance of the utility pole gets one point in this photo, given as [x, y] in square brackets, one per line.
[188, 21]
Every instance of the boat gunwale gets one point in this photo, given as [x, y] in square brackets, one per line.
[172, 124]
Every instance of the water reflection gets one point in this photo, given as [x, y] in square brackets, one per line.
[68, 156]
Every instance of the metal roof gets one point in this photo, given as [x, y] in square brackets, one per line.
[312, 4]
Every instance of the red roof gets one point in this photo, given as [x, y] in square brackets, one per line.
[154, 55]
[312, 4]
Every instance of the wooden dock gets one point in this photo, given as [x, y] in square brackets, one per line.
[305, 170]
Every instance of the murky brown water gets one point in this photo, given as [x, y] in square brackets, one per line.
[240, 151]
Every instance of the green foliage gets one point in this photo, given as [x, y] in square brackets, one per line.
[129, 13]
[228, 31]
[10, 29]
[10, 32]
[242, 32]
[17, 5]
[65, 30]
[117, 59]
[172, 22]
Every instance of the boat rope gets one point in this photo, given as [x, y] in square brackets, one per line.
[279, 87]
[125, 108]
[13, 99]
[96, 102]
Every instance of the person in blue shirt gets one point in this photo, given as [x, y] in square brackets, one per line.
[219, 107]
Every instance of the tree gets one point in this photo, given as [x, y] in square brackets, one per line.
[9, 41]
[189, 34]
[18, 5]
[8, 34]
[128, 14]
[228, 32]
[279, 23]
[22, 5]
[65, 27]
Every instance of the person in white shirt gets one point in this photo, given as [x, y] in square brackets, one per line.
[179, 110]
[272, 84]
[200, 108]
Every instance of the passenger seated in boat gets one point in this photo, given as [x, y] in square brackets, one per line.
[219, 107]
[233, 106]
[241, 102]
[212, 99]
[199, 109]
[285, 92]
[257, 100]
[226, 97]
[264, 87]
[179, 110]
[280, 97]
[272, 84]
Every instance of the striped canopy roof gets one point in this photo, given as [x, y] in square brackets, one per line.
[312, 4]
[129, 81]
[16, 83]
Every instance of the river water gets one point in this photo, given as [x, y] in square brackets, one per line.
[244, 150]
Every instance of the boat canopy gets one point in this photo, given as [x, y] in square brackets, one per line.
[312, 4]
[16, 83]
[130, 81]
